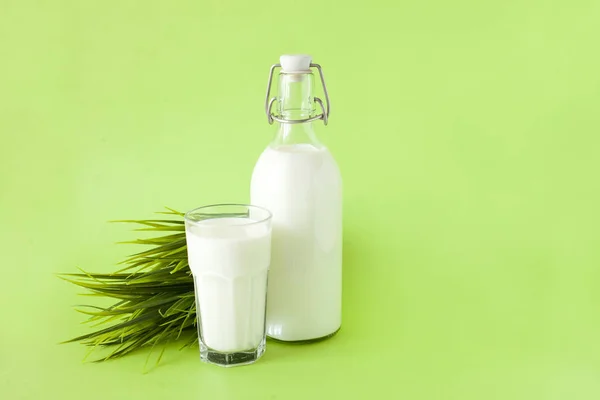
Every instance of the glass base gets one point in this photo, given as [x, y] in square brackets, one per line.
[231, 359]
[306, 340]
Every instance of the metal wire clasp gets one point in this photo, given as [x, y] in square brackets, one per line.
[269, 101]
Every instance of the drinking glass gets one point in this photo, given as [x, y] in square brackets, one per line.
[229, 252]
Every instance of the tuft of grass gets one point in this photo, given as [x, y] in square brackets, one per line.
[153, 292]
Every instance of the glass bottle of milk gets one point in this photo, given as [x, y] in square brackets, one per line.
[297, 179]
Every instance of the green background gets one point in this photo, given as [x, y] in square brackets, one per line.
[467, 136]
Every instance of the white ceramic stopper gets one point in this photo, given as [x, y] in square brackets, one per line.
[295, 62]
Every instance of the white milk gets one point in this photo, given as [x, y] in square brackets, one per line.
[230, 266]
[301, 186]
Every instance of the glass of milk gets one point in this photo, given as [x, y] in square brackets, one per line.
[229, 253]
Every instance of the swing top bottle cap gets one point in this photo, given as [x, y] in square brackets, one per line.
[295, 62]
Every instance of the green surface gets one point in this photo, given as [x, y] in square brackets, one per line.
[467, 135]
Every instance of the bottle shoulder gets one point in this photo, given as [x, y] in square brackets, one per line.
[296, 165]
[297, 156]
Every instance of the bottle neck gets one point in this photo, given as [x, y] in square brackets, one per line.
[296, 102]
[292, 134]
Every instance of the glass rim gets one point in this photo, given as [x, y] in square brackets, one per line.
[187, 215]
